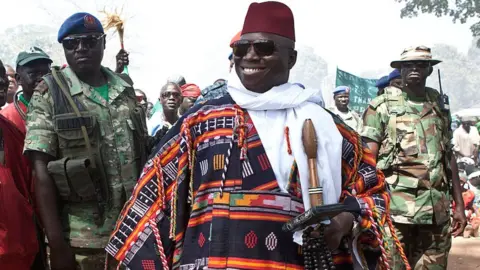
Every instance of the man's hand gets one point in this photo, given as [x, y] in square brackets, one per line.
[459, 222]
[122, 61]
[62, 258]
[340, 226]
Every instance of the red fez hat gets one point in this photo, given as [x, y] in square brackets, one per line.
[270, 17]
[235, 38]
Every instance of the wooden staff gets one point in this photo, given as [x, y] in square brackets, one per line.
[309, 139]
[317, 255]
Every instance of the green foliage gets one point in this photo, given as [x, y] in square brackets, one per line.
[459, 10]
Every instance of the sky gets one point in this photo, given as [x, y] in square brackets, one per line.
[191, 37]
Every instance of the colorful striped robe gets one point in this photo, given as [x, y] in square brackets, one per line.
[208, 198]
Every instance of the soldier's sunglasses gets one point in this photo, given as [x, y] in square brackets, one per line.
[418, 64]
[262, 47]
[89, 41]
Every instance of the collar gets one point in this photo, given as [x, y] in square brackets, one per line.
[23, 100]
[76, 86]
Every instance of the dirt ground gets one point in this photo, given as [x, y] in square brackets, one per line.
[465, 254]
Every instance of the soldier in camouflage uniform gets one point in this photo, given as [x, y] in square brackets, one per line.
[409, 131]
[84, 131]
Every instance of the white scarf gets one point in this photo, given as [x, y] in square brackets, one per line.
[289, 105]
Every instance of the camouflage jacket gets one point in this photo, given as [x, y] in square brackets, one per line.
[114, 150]
[413, 142]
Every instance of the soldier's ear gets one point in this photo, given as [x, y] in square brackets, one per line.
[430, 70]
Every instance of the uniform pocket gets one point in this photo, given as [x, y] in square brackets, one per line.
[408, 143]
[58, 172]
[69, 130]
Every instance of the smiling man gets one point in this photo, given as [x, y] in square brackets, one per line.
[409, 133]
[229, 174]
[85, 130]
[341, 96]
[12, 85]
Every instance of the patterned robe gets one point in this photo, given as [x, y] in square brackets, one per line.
[208, 197]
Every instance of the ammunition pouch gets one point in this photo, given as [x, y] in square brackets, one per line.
[76, 181]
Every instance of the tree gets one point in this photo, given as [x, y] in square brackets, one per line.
[460, 10]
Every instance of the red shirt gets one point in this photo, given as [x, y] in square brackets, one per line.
[18, 241]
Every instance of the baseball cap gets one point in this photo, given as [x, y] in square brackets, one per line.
[33, 53]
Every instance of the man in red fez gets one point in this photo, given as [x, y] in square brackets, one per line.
[231, 172]
[190, 93]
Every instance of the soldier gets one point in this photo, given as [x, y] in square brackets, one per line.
[408, 131]
[341, 95]
[381, 84]
[84, 138]
[395, 79]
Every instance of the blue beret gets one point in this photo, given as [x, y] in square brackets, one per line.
[341, 90]
[79, 23]
[382, 82]
[394, 74]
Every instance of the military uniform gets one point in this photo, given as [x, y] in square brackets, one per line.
[414, 138]
[112, 128]
[351, 118]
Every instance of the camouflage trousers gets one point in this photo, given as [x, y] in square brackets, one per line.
[93, 259]
[426, 246]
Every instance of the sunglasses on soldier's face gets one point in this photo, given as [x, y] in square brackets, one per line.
[90, 41]
[262, 47]
[418, 64]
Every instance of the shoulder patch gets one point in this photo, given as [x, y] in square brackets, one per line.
[41, 87]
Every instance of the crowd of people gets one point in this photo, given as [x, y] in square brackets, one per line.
[93, 175]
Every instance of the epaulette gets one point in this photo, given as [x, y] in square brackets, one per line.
[41, 87]
[377, 101]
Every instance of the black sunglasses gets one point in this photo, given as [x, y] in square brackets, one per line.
[262, 47]
[168, 94]
[90, 41]
[419, 64]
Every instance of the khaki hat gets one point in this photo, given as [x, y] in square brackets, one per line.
[419, 53]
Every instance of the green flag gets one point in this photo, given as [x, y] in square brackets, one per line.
[361, 90]
[156, 107]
